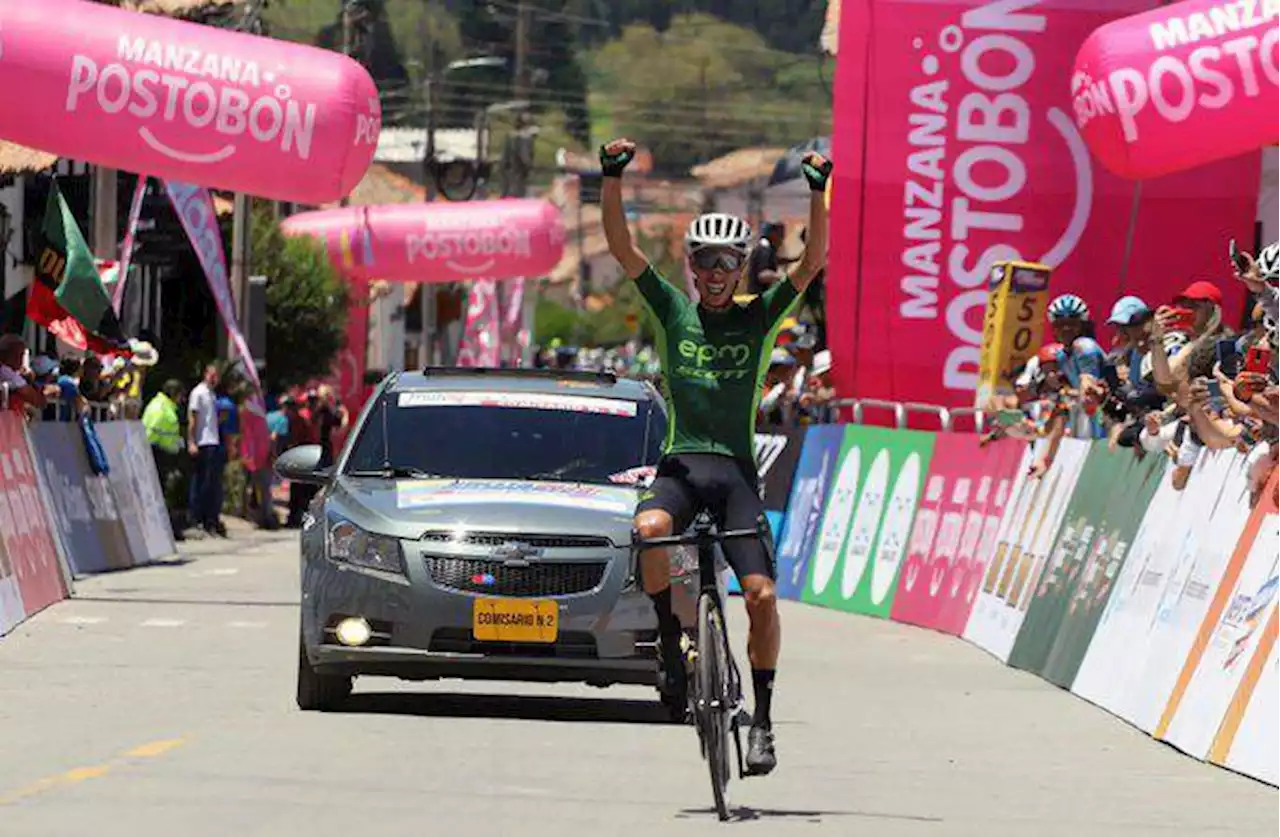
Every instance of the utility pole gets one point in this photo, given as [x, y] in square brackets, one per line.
[241, 240]
[429, 155]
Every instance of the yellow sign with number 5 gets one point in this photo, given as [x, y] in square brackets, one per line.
[1013, 326]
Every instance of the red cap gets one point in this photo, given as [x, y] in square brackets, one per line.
[1202, 290]
[1049, 352]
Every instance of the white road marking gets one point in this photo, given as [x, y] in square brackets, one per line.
[246, 624]
[220, 571]
[164, 623]
[83, 620]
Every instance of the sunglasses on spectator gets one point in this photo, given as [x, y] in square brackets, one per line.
[710, 259]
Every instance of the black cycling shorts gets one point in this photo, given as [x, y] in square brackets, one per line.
[687, 483]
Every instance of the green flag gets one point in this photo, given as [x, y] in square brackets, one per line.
[68, 297]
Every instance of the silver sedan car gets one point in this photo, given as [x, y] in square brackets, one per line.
[477, 525]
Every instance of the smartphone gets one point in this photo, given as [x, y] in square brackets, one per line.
[1215, 389]
[1183, 319]
[1228, 356]
[1237, 259]
[1257, 359]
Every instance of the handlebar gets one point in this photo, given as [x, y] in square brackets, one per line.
[699, 536]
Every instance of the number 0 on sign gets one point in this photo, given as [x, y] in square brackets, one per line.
[515, 620]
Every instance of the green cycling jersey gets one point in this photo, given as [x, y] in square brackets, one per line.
[713, 364]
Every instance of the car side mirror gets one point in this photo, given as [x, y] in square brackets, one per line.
[302, 464]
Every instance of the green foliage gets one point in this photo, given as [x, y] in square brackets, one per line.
[609, 326]
[306, 304]
[705, 87]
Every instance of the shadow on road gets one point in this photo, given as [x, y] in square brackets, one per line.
[744, 813]
[518, 707]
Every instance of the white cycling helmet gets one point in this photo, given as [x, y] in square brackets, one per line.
[1269, 263]
[1068, 306]
[717, 229]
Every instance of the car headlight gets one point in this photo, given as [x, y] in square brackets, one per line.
[353, 545]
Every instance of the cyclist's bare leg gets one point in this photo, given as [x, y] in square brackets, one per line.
[764, 638]
[655, 576]
[655, 564]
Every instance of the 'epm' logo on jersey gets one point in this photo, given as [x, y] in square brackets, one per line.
[703, 360]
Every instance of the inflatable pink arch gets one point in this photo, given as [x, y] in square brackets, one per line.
[1179, 86]
[185, 102]
[439, 242]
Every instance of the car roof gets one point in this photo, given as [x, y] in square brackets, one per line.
[598, 384]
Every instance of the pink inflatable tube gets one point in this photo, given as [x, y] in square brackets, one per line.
[185, 102]
[439, 242]
[1179, 86]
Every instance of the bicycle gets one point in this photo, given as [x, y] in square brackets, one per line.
[715, 693]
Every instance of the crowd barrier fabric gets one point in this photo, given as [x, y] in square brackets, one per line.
[1156, 604]
[31, 577]
[956, 524]
[1164, 591]
[1100, 522]
[1028, 531]
[85, 509]
[137, 490]
[867, 520]
[809, 484]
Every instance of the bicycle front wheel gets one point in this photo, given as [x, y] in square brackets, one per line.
[712, 676]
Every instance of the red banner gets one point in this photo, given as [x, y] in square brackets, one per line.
[955, 528]
[24, 522]
[956, 147]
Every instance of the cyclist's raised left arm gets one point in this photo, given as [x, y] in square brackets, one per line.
[817, 170]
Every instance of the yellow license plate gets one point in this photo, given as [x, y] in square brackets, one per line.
[515, 620]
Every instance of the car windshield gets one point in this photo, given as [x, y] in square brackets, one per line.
[505, 435]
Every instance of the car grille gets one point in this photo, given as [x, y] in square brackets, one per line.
[501, 538]
[492, 578]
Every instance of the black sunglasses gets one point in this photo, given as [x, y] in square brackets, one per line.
[710, 259]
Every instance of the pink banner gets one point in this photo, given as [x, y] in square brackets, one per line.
[955, 525]
[195, 210]
[482, 332]
[955, 147]
[513, 332]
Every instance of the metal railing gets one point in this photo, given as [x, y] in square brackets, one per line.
[856, 409]
[117, 409]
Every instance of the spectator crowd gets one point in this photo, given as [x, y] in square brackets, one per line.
[1176, 381]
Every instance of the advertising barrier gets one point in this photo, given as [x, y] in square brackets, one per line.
[136, 487]
[1028, 531]
[966, 492]
[867, 521]
[31, 578]
[1156, 604]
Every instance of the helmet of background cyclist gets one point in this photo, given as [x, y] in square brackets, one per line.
[1269, 263]
[1068, 306]
[718, 229]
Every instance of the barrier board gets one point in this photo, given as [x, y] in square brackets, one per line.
[809, 487]
[1110, 498]
[1027, 533]
[85, 510]
[956, 524]
[31, 578]
[136, 487]
[867, 522]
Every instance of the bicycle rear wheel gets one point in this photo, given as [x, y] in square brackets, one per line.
[712, 683]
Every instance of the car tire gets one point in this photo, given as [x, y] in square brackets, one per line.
[319, 692]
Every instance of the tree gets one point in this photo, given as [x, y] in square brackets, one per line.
[704, 87]
[306, 304]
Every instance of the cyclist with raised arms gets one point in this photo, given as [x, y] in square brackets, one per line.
[714, 354]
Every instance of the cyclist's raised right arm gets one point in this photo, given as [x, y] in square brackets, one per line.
[614, 157]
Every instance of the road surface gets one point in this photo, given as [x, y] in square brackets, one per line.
[160, 702]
